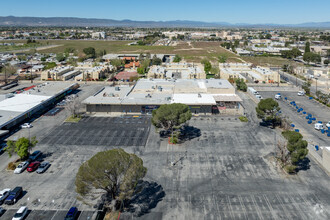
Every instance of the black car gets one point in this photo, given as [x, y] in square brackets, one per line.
[14, 195]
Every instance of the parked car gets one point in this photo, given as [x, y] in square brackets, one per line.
[301, 93]
[14, 195]
[278, 96]
[2, 210]
[72, 214]
[33, 166]
[258, 97]
[35, 155]
[43, 167]
[328, 124]
[318, 126]
[3, 195]
[26, 125]
[21, 167]
[2, 147]
[21, 213]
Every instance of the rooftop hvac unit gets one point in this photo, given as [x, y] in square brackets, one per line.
[117, 88]
[160, 88]
[199, 95]
[148, 96]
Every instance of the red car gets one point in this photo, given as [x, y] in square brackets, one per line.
[33, 166]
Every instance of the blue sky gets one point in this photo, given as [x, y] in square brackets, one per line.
[233, 11]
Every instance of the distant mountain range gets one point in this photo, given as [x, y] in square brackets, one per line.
[93, 22]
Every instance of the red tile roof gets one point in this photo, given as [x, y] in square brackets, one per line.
[125, 75]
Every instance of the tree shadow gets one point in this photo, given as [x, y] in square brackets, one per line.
[189, 132]
[303, 164]
[146, 197]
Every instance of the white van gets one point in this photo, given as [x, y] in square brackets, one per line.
[278, 96]
[318, 126]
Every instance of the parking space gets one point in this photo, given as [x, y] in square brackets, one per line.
[47, 214]
[227, 172]
[320, 112]
[101, 131]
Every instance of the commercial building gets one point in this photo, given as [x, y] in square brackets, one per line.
[177, 71]
[212, 96]
[15, 108]
[248, 71]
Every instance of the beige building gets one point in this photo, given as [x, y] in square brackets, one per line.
[203, 96]
[60, 73]
[92, 74]
[177, 71]
[247, 71]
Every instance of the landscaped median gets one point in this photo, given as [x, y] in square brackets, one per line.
[73, 119]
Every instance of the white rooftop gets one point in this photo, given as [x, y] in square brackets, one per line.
[21, 102]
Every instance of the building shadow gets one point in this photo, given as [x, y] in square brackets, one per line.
[146, 197]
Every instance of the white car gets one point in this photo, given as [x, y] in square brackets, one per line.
[278, 96]
[21, 167]
[301, 93]
[328, 124]
[26, 125]
[3, 195]
[258, 97]
[318, 126]
[21, 213]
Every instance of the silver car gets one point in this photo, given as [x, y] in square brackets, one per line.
[43, 167]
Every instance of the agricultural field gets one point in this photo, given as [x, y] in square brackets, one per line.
[270, 61]
[191, 52]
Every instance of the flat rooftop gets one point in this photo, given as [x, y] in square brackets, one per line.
[161, 91]
[13, 105]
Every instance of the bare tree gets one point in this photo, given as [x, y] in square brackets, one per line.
[282, 153]
[74, 105]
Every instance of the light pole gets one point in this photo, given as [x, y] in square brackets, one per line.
[316, 86]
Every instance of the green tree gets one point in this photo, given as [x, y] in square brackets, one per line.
[296, 146]
[60, 57]
[177, 59]
[156, 60]
[207, 65]
[140, 70]
[21, 147]
[268, 36]
[117, 62]
[296, 52]
[50, 65]
[311, 57]
[90, 52]
[307, 47]
[222, 58]
[267, 110]
[241, 85]
[116, 172]
[326, 62]
[171, 116]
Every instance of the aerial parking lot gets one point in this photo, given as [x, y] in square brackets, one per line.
[101, 131]
[319, 111]
[49, 195]
[225, 172]
[222, 170]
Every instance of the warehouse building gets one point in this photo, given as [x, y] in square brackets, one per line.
[212, 96]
